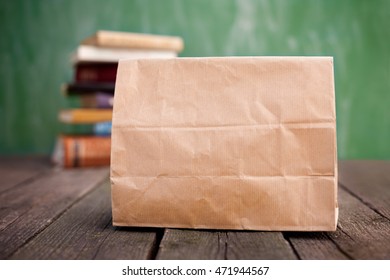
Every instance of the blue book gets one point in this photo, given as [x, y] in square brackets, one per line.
[102, 129]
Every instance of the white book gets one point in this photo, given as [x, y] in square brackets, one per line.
[86, 53]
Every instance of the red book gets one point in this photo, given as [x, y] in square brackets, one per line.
[88, 88]
[95, 72]
[82, 151]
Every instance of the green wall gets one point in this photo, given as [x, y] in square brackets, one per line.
[38, 36]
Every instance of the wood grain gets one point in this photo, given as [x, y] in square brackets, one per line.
[28, 209]
[315, 246]
[15, 170]
[180, 244]
[89, 234]
[362, 233]
[258, 246]
[129, 244]
[369, 181]
[200, 244]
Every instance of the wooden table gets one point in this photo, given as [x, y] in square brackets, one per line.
[49, 213]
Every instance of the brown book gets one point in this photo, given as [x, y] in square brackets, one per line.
[95, 72]
[82, 151]
[97, 100]
[115, 39]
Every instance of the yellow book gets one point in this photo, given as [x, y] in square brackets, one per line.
[85, 116]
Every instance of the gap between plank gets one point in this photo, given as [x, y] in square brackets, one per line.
[284, 234]
[225, 256]
[156, 244]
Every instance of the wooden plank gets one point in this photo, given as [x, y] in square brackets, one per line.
[52, 243]
[31, 207]
[251, 245]
[362, 233]
[129, 244]
[84, 231]
[15, 170]
[369, 181]
[180, 244]
[200, 244]
[315, 246]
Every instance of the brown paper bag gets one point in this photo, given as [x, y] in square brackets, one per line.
[225, 143]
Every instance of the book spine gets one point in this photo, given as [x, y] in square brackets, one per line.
[77, 129]
[86, 151]
[97, 100]
[96, 72]
[102, 129]
[135, 40]
[97, 129]
[93, 54]
[85, 116]
[88, 88]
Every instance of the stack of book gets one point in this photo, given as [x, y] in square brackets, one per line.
[86, 127]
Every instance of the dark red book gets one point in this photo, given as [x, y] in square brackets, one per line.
[88, 87]
[95, 72]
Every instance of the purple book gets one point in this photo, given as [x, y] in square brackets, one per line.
[97, 100]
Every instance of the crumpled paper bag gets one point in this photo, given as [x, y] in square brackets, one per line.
[225, 143]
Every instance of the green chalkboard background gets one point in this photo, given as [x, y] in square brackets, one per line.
[36, 38]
